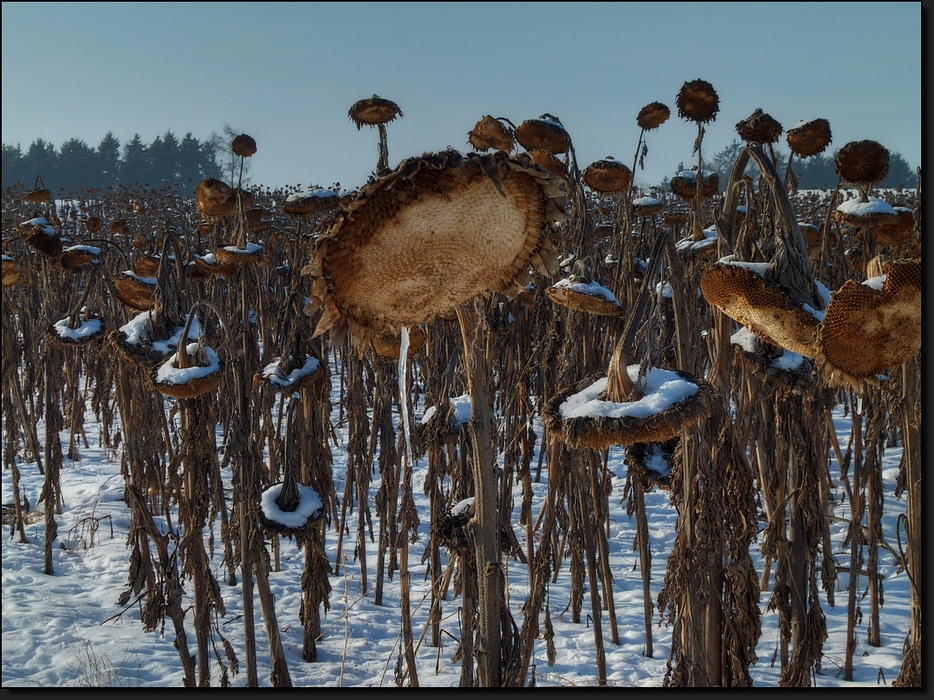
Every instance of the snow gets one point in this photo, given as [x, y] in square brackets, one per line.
[170, 373]
[788, 361]
[150, 281]
[68, 629]
[709, 239]
[309, 506]
[662, 390]
[303, 196]
[692, 174]
[594, 289]
[90, 249]
[460, 406]
[760, 268]
[645, 201]
[875, 205]
[250, 248]
[745, 338]
[275, 376]
[86, 328]
[876, 283]
[140, 326]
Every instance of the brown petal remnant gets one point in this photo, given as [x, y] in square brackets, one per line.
[809, 138]
[310, 202]
[684, 184]
[11, 271]
[652, 116]
[39, 234]
[584, 295]
[492, 134]
[763, 306]
[232, 255]
[549, 161]
[545, 133]
[76, 256]
[39, 194]
[759, 127]
[607, 175]
[863, 162]
[373, 111]
[698, 101]
[215, 197]
[243, 145]
[136, 293]
[675, 218]
[93, 224]
[440, 230]
[648, 419]
[871, 327]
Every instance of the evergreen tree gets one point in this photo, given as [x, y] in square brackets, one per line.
[134, 170]
[41, 160]
[14, 167]
[77, 166]
[108, 160]
[900, 173]
[164, 159]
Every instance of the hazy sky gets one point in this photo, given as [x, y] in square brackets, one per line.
[287, 73]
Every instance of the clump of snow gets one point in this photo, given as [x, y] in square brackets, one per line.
[275, 376]
[250, 249]
[140, 326]
[875, 205]
[645, 201]
[462, 507]
[709, 239]
[170, 373]
[320, 193]
[461, 409]
[90, 249]
[760, 268]
[657, 461]
[745, 338]
[661, 389]
[788, 361]
[309, 506]
[593, 289]
[692, 174]
[86, 329]
[149, 281]
[876, 282]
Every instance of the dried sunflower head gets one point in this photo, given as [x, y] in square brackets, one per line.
[545, 133]
[373, 111]
[244, 146]
[491, 133]
[652, 116]
[863, 162]
[759, 127]
[698, 101]
[809, 138]
[607, 175]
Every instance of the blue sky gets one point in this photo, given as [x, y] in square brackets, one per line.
[287, 73]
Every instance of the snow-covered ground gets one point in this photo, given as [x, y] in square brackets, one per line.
[68, 629]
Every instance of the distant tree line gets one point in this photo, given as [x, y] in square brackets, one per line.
[814, 172]
[75, 166]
